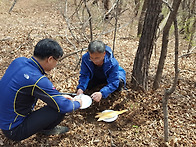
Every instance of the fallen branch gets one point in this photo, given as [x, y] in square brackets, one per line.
[12, 6]
[185, 55]
[6, 39]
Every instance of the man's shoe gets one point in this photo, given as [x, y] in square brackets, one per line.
[55, 131]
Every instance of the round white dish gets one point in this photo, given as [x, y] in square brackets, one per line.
[86, 100]
[110, 119]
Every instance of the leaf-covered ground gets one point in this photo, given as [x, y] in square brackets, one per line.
[142, 125]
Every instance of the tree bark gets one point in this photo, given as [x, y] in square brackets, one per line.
[143, 55]
[141, 19]
[163, 55]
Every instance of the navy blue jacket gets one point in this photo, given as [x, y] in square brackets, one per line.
[111, 69]
[22, 84]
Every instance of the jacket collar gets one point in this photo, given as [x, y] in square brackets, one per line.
[38, 65]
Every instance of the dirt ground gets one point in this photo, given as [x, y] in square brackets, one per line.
[142, 125]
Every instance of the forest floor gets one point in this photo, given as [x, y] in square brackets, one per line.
[143, 124]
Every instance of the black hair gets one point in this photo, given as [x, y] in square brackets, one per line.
[96, 46]
[46, 48]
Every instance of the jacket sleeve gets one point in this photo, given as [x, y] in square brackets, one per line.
[84, 75]
[112, 80]
[45, 91]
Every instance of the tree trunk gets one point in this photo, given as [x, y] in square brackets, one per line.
[162, 58]
[144, 52]
[137, 6]
[141, 19]
[168, 92]
[184, 18]
[191, 40]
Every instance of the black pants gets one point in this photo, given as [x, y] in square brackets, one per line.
[95, 82]
[42, 119]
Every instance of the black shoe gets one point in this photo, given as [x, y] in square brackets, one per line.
[55, 131]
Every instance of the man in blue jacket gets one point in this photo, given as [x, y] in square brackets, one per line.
[100, 67]
[23, 83]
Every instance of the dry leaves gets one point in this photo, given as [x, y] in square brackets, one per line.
[142, 125]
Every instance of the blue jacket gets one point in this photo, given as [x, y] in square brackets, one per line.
[20, 87]
[111, 69]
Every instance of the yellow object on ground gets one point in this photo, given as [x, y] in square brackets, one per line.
[108, 115]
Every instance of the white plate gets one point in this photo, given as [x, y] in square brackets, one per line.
[110, 119]
[86, 100]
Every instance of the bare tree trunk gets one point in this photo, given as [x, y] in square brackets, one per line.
[191, 41]
[171, 90]
[141, 19]
[137, 6]
[116, 23]
[183, 19]
[144, 52]
[166, 29]
[90, 18]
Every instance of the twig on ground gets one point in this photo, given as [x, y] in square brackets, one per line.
[12, 6]
[186, 55]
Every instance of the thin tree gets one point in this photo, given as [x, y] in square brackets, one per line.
[168, 92]
[90, 18]
[144, 52]
[116, 23]
[165, 40]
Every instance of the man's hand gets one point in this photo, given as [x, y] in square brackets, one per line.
[96, 96]
[80, 91]
[80, 101]
[73, 99]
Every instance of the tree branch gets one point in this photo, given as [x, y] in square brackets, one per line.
[67, 55]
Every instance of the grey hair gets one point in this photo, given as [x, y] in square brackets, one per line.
[96, 46]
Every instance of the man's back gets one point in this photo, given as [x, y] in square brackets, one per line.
[18, 76]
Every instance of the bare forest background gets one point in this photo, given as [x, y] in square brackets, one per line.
[153, 40]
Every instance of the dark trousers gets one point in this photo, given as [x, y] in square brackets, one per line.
[42, 119]
[94, 82]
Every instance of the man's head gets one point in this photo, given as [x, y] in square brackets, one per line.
[96, 46]
[47, 52]
[97, 52]
[46, 48]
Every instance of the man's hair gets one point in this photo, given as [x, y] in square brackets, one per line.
[46, 48]
[96, 46]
